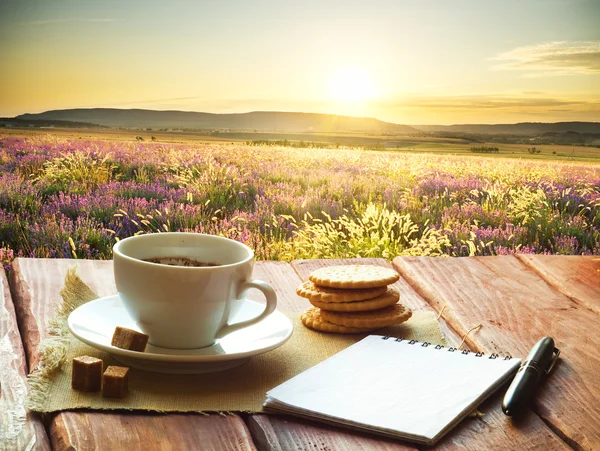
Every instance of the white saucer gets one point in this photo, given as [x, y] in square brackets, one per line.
[94, 323]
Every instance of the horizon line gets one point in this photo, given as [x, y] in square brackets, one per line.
[298, 112]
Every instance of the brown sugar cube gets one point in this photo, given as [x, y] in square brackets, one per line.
[129, 339]
[115, 382]
[87, 373]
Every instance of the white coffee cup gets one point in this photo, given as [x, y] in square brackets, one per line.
[183, 307]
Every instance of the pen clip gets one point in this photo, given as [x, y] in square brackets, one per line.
[556, 353]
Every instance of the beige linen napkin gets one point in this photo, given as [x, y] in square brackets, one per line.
[239, 389]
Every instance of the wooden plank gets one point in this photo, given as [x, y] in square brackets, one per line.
[285, 280]
[574, 276]
[36, 286]
[494, 430]
[19, 429]
[282, 433]
[516, 308]
[500, 433]
[94, 430]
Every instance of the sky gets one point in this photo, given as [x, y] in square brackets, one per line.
[404, 61]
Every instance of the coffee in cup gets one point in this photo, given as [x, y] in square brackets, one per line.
[178, 261]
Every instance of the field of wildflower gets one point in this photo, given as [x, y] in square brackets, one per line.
[75, 198]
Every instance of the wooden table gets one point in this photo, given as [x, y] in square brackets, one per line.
[516, 299]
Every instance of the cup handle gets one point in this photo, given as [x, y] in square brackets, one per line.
[271, 297]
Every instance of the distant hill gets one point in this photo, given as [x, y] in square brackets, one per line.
[276, 121]
[568, 138]
[259, 120]
[522, 128]
[15, 122]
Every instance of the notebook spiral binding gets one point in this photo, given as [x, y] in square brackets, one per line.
[426, 344]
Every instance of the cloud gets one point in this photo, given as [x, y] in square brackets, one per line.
[496, 101]
[73, 19]
[553, 58]
[491, 108]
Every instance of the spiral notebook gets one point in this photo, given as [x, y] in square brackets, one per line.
[394, 387]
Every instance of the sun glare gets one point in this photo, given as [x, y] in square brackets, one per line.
[351, 84]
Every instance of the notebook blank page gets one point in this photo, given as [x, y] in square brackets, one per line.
[397, 386]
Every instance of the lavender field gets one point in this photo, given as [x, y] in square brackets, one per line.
[74, 199]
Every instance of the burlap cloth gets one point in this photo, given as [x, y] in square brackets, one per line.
[239, 389]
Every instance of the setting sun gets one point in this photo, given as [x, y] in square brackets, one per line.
[351, 84]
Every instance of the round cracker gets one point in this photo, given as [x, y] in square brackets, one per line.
[394, 314]
[353, 276]
[320, 294]
[313, 320]
[390, 297]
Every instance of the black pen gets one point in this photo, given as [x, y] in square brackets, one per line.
[539, 362]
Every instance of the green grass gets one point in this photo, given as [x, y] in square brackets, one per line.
[411, 144]
[548, 152]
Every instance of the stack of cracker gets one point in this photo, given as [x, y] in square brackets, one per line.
[352, 299]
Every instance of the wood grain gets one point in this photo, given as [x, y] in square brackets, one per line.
[494, 430]
[149, 432]
[36, 286]
[516, 308]
[19, 429]
[574, 276]
[282, 433]
[285, 280]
